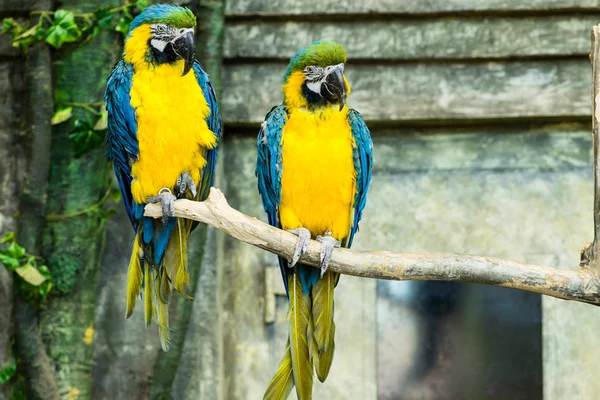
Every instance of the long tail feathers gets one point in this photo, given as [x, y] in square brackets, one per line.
[156, 282]
[148, 295]
[300, 316]
[311, 340]
[325, 359]
[283, 382]
[175, 260]
[163, 324]
[322, 309]
[134, 276]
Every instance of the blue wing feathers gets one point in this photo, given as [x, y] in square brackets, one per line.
[268, 165]
[214, 124]
[268, 168]
[363, 165]
[122, 127]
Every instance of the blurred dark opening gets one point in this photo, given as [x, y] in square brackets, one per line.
[446, 340]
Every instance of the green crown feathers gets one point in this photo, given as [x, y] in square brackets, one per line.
[321, 53]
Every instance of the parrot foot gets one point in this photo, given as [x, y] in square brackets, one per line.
[185, 182]
[167, 201]
[328, 243]
[303, 241]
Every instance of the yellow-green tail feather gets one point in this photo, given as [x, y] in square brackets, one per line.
[325, 359]
[300, 316]
[148, 295]
[322, 309]
[134, 276]
[162, 310]
[175, 260]
[283, 382]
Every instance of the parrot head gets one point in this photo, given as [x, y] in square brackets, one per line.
[162, 34]
[315, 77]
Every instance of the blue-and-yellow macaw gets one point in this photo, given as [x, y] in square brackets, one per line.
[163, 131]
[313, 168]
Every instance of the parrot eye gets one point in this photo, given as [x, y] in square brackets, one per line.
[313, 72]
[160, 29]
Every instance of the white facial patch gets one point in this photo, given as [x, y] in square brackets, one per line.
[158, 44]
[315, 86]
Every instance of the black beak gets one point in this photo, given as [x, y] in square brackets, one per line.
[334, 87]
[185, 49]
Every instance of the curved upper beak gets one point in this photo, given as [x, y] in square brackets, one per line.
[185, 48]
[334, 86]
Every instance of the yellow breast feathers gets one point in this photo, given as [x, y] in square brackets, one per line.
[171, 127]
[318, 177]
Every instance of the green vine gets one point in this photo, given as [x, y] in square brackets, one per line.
[59, 27]
[32, 281]
[62, 26]
[96, 208]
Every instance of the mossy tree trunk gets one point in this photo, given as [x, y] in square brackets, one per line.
[73, 246]
[32, 355]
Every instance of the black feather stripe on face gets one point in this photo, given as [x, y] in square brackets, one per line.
[313, 73]
[314, 100]
[162, 32]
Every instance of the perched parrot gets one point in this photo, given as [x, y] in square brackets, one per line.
[163, 132]
[313, 169]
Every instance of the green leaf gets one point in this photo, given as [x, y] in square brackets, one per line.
[141, 4]
[9, 237]
[14, 250]
[115, 194]
[29, 32]
[102, 122]
[31, 275]
[10, 263]
[9, 371]
[11, 27]
[61, 115]
[85, 138]
[63, 29]
[123, 25]
[103, 17]
[45, 272]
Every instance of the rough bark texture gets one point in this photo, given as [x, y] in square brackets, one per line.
[40, 382]
[12, 171]
[73, 246]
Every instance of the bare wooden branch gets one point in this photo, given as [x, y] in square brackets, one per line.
[580, 285]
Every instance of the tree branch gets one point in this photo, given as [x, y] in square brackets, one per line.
[582, 285]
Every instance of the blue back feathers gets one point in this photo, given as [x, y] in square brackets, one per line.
[122, 127]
